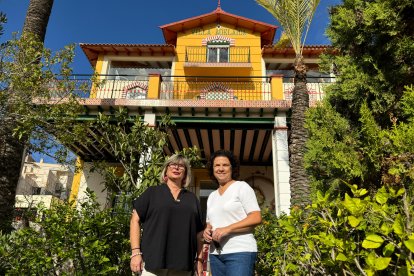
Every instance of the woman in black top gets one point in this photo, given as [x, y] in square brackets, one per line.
[172, 225]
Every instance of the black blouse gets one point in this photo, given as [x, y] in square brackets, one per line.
[170, 227]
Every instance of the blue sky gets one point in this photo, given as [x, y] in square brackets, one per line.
[136, 21]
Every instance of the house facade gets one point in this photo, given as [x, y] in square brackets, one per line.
[224, 84]
[41, 183]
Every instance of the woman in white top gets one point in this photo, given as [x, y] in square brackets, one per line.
[232, 214]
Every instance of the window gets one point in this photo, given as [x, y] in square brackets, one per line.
[218, 51]
[36, 190]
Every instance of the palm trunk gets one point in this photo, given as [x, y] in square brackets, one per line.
[11, 150]
[299, 181]
[37, 18]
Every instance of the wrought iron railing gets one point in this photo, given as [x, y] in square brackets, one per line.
[203, 54]
[185, 88]
[204, 88]
[120, 87]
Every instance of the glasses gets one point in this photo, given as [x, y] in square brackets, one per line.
[177, 166]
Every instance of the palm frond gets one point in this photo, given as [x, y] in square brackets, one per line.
[295, 16]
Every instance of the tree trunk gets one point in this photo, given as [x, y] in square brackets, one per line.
[11, 150]
[37, 18]
[299, 181]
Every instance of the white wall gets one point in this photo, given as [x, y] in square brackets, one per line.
[93, 181]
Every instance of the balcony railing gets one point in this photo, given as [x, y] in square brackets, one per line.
[216, 88]
[315, 87]
[203, 54]
[122, 87]
[190, 88]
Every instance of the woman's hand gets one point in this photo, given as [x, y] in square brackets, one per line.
[207, 234]
[136, 264]
[220, 233]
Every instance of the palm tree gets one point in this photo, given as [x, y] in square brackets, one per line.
[37, 18]
[295, 17]
[11, 148]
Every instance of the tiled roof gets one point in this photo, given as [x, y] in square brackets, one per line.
[266, 30]
[93, 50]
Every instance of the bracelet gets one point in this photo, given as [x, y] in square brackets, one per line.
[135, 248]
[135, 254]
[200, 260]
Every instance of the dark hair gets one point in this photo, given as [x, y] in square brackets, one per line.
[234, 162]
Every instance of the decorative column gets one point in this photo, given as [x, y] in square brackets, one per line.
[276, 82]
[281, 169]
[154, 85]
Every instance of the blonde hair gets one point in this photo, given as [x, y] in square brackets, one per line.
[177, 158]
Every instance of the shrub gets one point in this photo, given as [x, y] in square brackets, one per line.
[353, 235]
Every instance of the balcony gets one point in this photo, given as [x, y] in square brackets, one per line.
[202, 88]
[203, 56]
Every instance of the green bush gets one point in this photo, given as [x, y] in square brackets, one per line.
[70, 241]
[353, 235]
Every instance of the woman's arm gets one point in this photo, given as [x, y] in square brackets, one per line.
[135, 237]
[246, 225]
[199, 260]
[207, 233]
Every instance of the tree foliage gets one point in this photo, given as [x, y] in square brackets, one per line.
[31, 77]
[137, 151]
[89, 239]
[354, 235]
[295, 18]
[12, 148]
[360, 126]
[70, 241]
[375, 42]
[360, 155]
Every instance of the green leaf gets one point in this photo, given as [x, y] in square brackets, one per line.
[381, 263]
[341, 257]
[369, 272]
[382, 196]
[372, 241]
[388, 250]
[385, 229]
[400, 192]
[353, 221]
[354, 205]
[398, 225]
[410, 245]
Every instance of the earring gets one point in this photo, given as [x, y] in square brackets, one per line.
[165, 178]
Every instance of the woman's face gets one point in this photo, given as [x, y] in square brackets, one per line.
[176, 171]
[222, 169]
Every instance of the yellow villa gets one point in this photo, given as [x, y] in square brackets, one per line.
[225, 85]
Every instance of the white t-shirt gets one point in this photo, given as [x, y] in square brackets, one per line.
[222, 210]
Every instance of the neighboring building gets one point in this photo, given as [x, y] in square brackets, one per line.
[225, 85]
[41, 183]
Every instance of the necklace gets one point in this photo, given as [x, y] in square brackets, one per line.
[175, 192]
